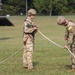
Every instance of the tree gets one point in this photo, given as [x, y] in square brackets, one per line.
[71, 6]
[19, 5]
[58, 6]
[51, 7]
[13, 6]
[46, 7]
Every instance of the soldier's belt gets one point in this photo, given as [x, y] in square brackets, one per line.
[27, 33]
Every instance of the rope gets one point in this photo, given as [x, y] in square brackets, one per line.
[56, 43]
[10, 56]
[70, 52]
[44, 37]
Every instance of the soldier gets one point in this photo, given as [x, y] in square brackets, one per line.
[69, 35]
[28, 39]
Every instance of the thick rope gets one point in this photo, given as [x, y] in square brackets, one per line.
[56, 43]
[11, 56]
[44, 37]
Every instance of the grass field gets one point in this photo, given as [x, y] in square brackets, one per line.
[48, 59]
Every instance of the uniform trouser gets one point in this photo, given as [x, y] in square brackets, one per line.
[27, 55]
[27, 59]
[73, 51]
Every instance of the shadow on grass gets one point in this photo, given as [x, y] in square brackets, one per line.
[35, 63]
[5, 38]
[68, 66]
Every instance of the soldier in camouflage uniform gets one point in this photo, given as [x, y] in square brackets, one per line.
[69, 35]
[28, 39]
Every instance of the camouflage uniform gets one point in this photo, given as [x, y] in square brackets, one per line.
[69, 35]
[28, 40]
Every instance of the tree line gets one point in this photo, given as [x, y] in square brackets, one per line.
[43, 7]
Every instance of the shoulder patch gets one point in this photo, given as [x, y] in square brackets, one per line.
[28, 25]
[69, 28]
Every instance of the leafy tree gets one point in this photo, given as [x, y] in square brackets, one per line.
[58, 6]
[13, 6]
[48, 7]
[71, 6]
[38, 5]
[53, 7]
[19, 5]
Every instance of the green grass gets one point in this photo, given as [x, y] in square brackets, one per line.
[48, 59]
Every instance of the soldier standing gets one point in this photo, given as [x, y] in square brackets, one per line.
[28, 39]
[69, 35]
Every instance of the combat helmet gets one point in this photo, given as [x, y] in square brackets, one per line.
[32, 12]
[61, 20]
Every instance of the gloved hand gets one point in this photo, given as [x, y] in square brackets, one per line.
[35, 28]
[66, 38]
[65, 47]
